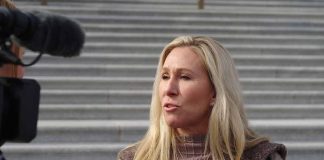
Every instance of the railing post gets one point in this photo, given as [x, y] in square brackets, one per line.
[44, 2]
[201, 4]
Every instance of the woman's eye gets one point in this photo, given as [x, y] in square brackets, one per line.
[165, 76]
[185, 77]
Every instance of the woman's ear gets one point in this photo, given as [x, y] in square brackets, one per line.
[212, 98]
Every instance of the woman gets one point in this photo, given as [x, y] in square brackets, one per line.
[197, 109]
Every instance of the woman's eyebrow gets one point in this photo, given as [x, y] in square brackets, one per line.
[177, 69]
[164, 69]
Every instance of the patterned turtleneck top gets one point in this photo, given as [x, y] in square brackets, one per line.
[192, 148]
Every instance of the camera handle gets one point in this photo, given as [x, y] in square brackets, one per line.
[6, 55]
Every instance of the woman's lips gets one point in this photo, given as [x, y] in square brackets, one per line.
[170, 107]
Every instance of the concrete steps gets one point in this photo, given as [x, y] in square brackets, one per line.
[152, 59]
[273, 3]
[128, 131]
[96, 104]
[141, 111]
[81, 70]
[243, 38]
[59, 151]
[146, 83]
[188, 29]
[103, 151]
[109, 7]
[233, 48]
[144, 96]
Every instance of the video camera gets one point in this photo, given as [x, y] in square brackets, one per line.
[19, 98]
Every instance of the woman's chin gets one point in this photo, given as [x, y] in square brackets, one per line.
[173, 123]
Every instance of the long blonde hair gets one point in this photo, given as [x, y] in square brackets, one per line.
[228, 133]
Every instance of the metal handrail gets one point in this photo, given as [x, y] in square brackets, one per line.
[44, 2]
[201, 4]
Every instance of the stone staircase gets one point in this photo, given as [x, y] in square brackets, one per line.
[96, 104]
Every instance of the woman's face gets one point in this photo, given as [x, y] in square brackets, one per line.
[185, 92]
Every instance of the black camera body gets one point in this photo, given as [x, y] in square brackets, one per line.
[19, 107]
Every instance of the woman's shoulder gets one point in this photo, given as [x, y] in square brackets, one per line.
[127, 153]
[265, 150]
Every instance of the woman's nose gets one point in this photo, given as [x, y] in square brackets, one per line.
[172, 87]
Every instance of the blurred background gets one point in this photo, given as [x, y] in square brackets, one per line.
[96, 104]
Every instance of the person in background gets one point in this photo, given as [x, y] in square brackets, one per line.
[197, 109]
[10, 70]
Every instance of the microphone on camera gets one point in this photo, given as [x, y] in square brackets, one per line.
[44, 32]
